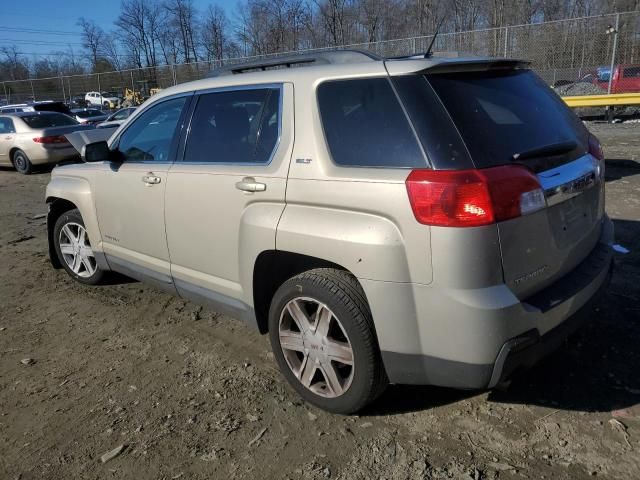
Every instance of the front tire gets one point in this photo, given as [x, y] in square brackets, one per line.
[324, 342]
[22, 163]
[73, 248]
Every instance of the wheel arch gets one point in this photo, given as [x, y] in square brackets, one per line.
[272, 268]
[57, 206]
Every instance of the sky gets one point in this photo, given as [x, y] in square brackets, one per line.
[53, 22]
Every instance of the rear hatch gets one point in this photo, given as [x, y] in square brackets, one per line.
[509, 116]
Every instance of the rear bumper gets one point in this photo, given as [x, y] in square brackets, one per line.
[41, 155]
[526, 350]
[474, 339]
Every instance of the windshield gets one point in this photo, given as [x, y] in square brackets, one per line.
[500, 114]
[89, 113]
[48, 120]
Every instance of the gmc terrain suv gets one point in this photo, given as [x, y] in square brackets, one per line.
[417, 220]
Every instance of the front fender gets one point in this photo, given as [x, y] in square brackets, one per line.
[78, 192]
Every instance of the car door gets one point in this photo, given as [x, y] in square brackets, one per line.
[7, 139]
[226, 193]
[130, 195]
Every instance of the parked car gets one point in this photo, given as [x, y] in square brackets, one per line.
[116, 119]
[426, 221]
[626, 78]
[43, 106]
[107, 100]
[78, 101]
[29, 139]
[89, 116]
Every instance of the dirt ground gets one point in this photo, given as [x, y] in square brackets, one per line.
[191, 394]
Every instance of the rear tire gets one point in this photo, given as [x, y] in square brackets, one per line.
[21, 162]
[337, 367]
[73, 248]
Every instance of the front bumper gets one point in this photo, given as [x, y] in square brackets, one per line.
[473, 339]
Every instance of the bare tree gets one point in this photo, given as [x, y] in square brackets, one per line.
[215, 35]
[14, 66]
[92, 39]
[140, 22]
[181, 16]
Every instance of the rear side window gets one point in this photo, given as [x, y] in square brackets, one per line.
[241, 126]
[365, 125]
[48, 120]
[503, 113]
[6, 125]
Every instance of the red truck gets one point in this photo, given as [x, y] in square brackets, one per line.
[626, 78]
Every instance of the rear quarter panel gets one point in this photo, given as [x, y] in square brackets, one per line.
[359, 218]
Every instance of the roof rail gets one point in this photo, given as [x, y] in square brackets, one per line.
[329, 57]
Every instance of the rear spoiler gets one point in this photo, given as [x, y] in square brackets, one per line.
[435, 65]
[474, 65]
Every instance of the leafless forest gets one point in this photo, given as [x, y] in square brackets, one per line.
[151, 33]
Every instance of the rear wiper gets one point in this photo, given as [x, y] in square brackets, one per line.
[551, 149]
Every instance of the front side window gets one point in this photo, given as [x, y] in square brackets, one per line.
[631, 72]
[149, 136]
[365, 125]
[240, 126]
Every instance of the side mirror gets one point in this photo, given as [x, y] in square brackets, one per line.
[96, 152]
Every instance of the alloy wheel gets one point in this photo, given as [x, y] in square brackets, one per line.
[76, 250]
[316, 347]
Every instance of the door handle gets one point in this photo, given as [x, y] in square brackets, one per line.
[151, 179]
[249, 184]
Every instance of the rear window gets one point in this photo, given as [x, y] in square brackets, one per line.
[52, 107]
[502, 113]
[89, 113]
[48, 120]
[365, 125]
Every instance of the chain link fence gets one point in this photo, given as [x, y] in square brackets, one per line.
[562, 52]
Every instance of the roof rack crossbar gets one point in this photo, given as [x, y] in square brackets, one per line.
[316, 58]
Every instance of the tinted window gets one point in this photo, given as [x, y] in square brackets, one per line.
[48, 120]
[234, 127]
[439, 137]
[150, 135]
[121, 115]
[365, 125]
[52, 107]
[630, 72]
[501, 113]
[6, 125]
[89, 113]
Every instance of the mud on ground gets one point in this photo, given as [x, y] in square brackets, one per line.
[192, 394]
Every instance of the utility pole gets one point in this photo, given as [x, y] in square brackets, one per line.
[612, 30]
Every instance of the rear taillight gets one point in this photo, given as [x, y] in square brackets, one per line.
[51, 139]
[595, 148]
[470, 198]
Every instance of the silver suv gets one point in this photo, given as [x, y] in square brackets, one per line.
[417, 220]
